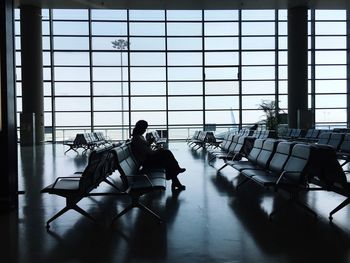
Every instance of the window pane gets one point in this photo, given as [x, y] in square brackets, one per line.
[148, 88]
[109, 118]
[330, 57]
[185, 73]
[186, 117]
[105, 14]
[147, 29]
[258, 28]
[221, 102]
[185, 88]
[184, 29]
[221, 73]
[219, 43]
[147, 59]
[184, 15]
[73, 119]
[110, 88]
[109, 74]
[190, 59]
[258, 58]
[330, 101]
[185, 103]
[330, 86]
[258, 87]
[221, 58]
[222, 117]
[258, 14]
[70, 28]
[72, 73]
[72, 104]
[110, 104]
[330, 14]
[330, 42]
[221, 87]
[71, 58]
[220, 15]
[72, 88]
[109, 28]
[253, 102]
[330, 28]
[221, 29]
[188, 43]
[147, 74]
[109, 58]
[147, 15]
[147, 43]
[148, 103]
[70, 14]
[153, 118]
[330, 72]
[258, 72]
[71, 43]
[258, 43]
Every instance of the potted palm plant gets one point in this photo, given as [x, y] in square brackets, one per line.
[271, 114]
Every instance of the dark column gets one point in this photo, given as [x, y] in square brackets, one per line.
[298, 114]
[32, 72]
[8, 137]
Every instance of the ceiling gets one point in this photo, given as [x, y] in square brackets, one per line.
[186, 4]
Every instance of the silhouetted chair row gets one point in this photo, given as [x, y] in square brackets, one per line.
[291, 166]
[137, 182]
[201, 139]
[293, 133]
[312, 135]
[101, 164]
[234, 146]
[237, 149]
[86, 141]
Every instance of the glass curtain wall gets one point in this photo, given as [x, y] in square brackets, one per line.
[181, 70]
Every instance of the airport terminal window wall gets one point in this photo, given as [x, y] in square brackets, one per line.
[182, 70]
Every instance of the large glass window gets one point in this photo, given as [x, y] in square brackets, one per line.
[181, 69]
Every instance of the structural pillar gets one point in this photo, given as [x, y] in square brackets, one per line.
[8, 128]
[298, 114]
[32, 76]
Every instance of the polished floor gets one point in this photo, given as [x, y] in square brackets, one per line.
[209, 222]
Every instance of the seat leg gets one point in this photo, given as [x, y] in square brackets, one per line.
[61, 212]
[127, 209]
[111, 184]
[83, 212]
[150, 212]
[342, 205]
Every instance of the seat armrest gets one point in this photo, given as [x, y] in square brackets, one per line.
[141, 176]
[284, 173]
[64, 177]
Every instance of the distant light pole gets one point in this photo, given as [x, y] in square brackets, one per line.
[121, 44]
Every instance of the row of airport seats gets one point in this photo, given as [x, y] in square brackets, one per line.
[311, 135]
[207, 139]
[104, 162]
[86, 141]
[293, 167]
[235, 146]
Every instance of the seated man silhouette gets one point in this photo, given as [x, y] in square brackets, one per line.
[159, 158]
